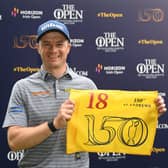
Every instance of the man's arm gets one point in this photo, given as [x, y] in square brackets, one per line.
[27, 137]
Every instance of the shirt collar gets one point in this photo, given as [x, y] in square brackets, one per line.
[69, 74]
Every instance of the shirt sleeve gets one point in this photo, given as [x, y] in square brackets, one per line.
[92, 85]
[16, 113]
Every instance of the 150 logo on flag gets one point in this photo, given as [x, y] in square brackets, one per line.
[112, 121]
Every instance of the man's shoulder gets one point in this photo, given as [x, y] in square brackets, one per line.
[28, 79]
[84, 80]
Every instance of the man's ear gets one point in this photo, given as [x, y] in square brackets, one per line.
[69, 46]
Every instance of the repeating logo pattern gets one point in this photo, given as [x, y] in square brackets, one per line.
[98, 35]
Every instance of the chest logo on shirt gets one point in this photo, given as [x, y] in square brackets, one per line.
[41, 93]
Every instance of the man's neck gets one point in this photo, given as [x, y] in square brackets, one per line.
[57, 72]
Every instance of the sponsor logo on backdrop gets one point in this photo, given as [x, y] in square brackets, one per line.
[150, 42]
[110, 42]
[162, 126]
[151, 15]
[15, 12]
[15, 155]
[111, 157]
[111, 69]
[26, 13]
[28, 69]
[150, 69]
[158, 150]
[68, 14]
[99, 68]
[110, 15]
[25, 41]
[80, 72]
[77, 42]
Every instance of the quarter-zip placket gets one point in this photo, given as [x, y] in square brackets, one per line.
[56, 87]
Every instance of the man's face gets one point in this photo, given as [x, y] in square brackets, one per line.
[53, 48]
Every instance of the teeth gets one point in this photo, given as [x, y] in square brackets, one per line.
[53, 57]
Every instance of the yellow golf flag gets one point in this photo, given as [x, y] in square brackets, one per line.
[112, 121]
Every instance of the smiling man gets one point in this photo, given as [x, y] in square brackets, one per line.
[39, 106]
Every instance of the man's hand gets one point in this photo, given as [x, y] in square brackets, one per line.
[161, 106]
[64, 114]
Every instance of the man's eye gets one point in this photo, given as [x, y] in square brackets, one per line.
[46, 44]
[59, 44]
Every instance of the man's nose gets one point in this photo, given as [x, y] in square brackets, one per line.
[54, 48]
